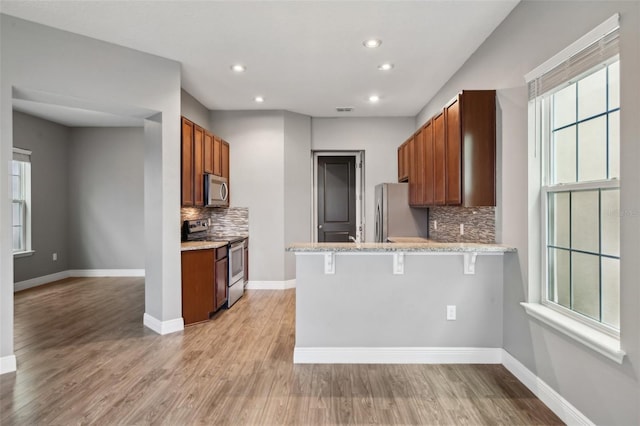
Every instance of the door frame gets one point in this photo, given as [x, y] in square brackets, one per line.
[360, 198]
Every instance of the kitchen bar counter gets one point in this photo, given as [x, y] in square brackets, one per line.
[201, 245]
[415, 302]
[404, 247]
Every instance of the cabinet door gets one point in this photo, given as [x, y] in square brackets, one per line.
[187, 163]
[246, 262]
[439, 160]
[197, 285]
[453, 155]
[221, 282]
[478, 124]
[217, 156]
[427, 137]
[401, 163]
[208, 152]
[416, 181]
[198, 166]
[225, 167]
[411, 149]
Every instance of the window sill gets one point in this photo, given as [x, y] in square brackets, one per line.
[23, 253]
[594, 339]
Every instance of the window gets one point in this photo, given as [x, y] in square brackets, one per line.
[581, 196]
[574, 184]
[21, 207]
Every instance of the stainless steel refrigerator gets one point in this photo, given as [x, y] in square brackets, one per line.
[394, 217]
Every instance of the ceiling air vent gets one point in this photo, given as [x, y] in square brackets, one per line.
[344, 109]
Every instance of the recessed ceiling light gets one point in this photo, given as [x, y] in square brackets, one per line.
[238, 68]
[259, 99]
[372, 43]
[385, 67]
[374, 98]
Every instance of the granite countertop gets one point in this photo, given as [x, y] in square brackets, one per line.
[201, 245]
[406, 247]
[408, 240]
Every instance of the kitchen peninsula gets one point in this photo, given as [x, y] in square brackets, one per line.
[411, 302]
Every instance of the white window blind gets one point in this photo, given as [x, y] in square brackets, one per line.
[594, 48]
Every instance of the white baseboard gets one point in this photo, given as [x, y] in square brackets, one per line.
[106, 272]
[408, 355]
[35, 282]
[46, 279]
[7, 364]
[552, 399]
[270, 285]
[163, 327]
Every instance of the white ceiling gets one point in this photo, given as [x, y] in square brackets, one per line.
[302, 56]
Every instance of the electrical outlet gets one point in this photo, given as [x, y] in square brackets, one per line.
[435, 225]
[451, 312]
[462, 229]
[55, 257]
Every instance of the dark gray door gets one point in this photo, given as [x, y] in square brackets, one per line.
[336, 198]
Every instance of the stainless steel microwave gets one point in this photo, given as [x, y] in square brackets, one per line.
[216, 191]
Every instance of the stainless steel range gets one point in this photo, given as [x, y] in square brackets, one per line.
[199, 230]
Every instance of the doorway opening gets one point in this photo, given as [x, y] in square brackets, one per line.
[338, 196]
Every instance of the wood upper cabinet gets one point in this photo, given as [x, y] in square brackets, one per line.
[201, 152]
[217, 156]
[198, 165]
[208, 152]
[403, 162]
[224, 167]
[416, 176]
[187, 163]
[454, 154]
[429, 164]
[453, 178]
[198, 268]
[439, 160]
[471, 149]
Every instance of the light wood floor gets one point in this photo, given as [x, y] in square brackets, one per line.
[85, 357]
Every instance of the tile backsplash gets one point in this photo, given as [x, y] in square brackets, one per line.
[232, 221]
[479, 224]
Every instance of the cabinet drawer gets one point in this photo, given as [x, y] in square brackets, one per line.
[221, 252]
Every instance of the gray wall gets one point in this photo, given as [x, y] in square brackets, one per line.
[372, 307]
[256, 143]
[604, 391]
[49, 143]
[191, 108]
[297, 184]
[37, 57]
[378, 137]
[106, 198]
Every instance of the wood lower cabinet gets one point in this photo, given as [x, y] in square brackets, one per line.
[246, 260]
[198, 269]
[204, 283]
[221, 277]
